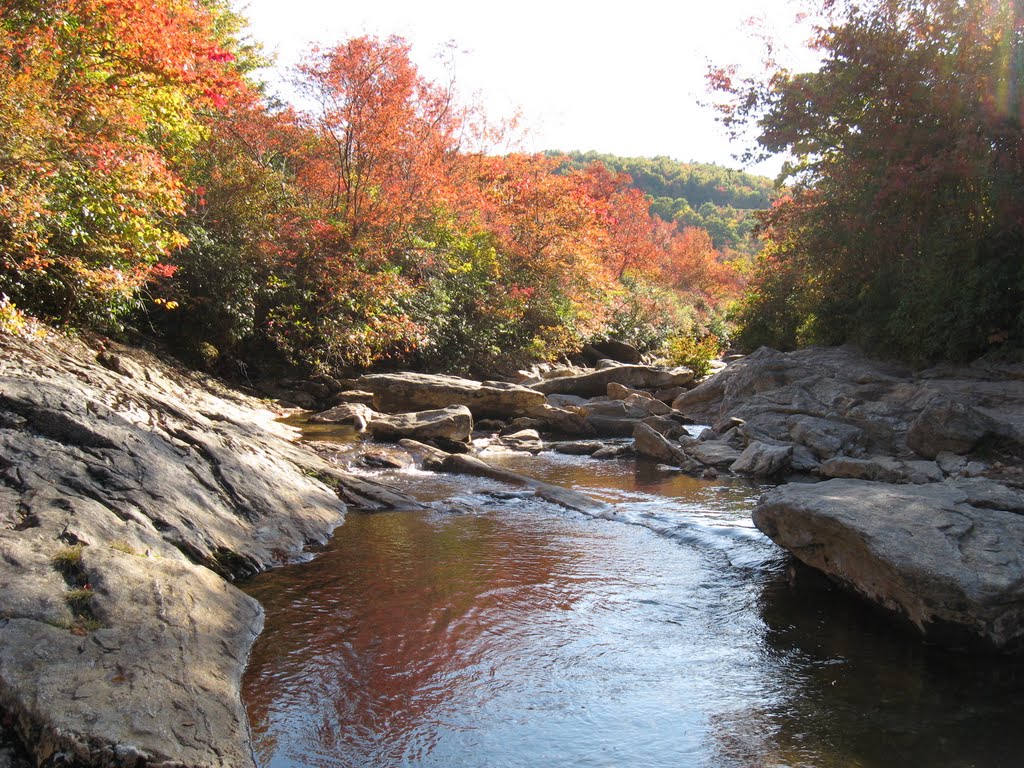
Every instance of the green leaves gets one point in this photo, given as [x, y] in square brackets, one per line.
[904, 225]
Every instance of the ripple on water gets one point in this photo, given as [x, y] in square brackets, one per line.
[527, 635]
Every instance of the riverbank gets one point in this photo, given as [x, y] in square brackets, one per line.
[133, 493]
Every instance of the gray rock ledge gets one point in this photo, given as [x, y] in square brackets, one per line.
[130, 495]
[949, 557]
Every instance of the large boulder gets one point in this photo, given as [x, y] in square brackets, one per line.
[946, 556]
[825, 437]
[452, 423]
[949, 425]
[648, 442]
[404, 392]
[653, 406]
[714, 453]
[763, 460]
[564, 421]
[595, 383]
[611, 349]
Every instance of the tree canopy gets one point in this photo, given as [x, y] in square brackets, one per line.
[904, 226]
[145, 180]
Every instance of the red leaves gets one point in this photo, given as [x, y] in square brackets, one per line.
[160, 270]
[382, 142]
[219, 56]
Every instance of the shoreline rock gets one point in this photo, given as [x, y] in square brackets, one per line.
[947, 557]
[130, 495]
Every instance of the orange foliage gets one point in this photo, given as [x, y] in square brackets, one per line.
[101, 104]
[383, 142]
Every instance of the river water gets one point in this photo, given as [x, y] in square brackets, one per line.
[522, 634]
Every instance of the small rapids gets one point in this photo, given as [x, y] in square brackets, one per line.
[522, 634]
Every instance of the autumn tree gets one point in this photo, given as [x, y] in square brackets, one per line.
[102, 102]
[376, 167]
[904, 229]
[386, 138]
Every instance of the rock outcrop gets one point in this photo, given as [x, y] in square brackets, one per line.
[595, 383]
[129, 496]
[949, 557]
[404, 392]
[836, 402]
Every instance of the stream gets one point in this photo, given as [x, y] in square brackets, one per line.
[522, 634]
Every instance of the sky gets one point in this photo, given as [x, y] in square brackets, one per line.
[623, 77]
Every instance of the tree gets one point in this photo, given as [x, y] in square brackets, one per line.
[385, 141]
[904, 230]
[102, 102]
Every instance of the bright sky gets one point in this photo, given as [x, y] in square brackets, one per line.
[617, 77]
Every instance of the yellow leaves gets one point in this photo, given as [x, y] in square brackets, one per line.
[14, 322]
[170, 306]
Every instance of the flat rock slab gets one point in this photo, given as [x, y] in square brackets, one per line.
[949, 557]
[168, 628]
[404, 392]
[595, 383]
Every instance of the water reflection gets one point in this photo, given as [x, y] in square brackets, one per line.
[860, 690]
[400, 616]
[526, 635]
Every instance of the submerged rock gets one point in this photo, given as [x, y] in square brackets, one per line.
[949, 557]
[578, 447]
[565, 497]
[527, 440]
[385, 458]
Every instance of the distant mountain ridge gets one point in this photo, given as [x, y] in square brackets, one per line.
[718, 199]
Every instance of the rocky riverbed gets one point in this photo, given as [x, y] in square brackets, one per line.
[133, 494]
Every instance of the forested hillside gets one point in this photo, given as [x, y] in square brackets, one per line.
[148, 184]
[721, 200]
